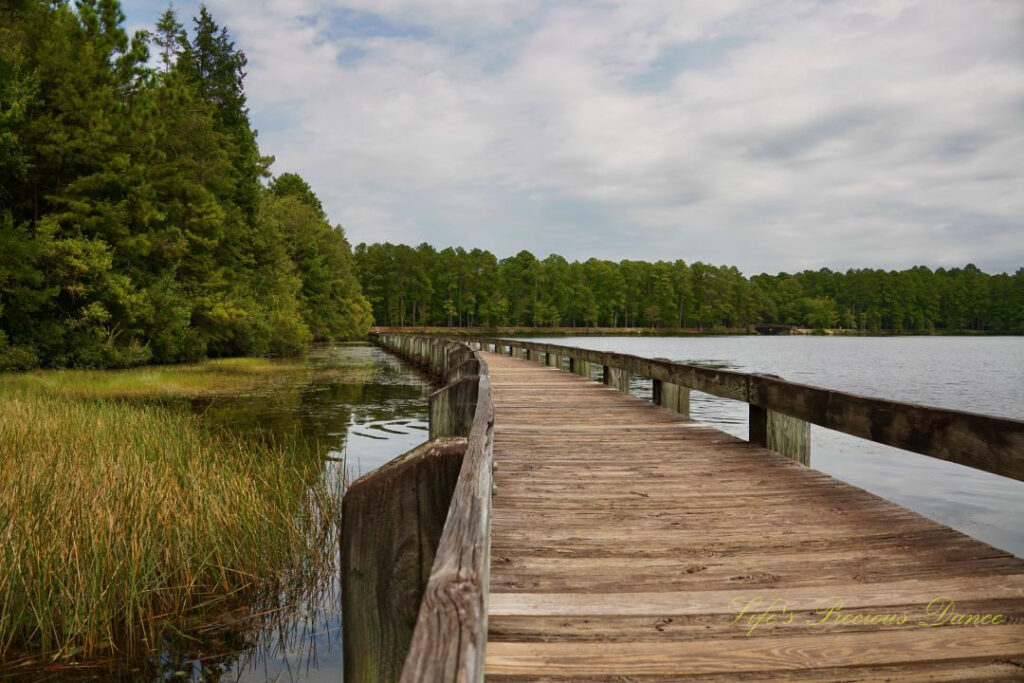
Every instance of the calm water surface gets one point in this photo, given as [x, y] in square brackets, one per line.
[977, 374]
[361, 408]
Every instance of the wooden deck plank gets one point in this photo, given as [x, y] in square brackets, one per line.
[623, 536]
[765, 653]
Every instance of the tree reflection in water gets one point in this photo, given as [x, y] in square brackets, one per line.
[359, 409]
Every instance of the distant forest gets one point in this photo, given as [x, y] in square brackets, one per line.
[139, 223]
[138, 220]
[423, 286]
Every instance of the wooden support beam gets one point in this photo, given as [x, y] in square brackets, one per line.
[616, 377]
[452, 408]
[579, 366]
[789, 436]
[451, 628]
[467, 368]
[392, 520]
[671, 396]
[758, 425]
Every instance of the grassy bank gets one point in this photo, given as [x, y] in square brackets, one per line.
[120, 520]
[209, 378]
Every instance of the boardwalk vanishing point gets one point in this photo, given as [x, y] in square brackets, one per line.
[593, 535]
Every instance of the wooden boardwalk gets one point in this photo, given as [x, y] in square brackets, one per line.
[629, 543]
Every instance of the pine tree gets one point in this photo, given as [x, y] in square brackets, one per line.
[169, 38]
[217, 70]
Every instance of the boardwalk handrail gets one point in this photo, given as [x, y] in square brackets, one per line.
[450, 635]
[984, 442]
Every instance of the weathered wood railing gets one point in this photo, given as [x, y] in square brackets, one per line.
[781, 412]
[415, 597]
[416, 538]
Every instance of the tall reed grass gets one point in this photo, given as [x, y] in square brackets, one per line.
[119, 520]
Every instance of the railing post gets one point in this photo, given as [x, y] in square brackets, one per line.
[552, 359]
[616, 377]
[789, 436]
[758, 426]
[392, 520]
[671, 396]
[579, 367]
[452, 408]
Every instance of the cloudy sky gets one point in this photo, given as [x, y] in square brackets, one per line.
[770, 135]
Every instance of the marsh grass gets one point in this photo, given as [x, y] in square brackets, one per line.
[209, 378]
[120, 521]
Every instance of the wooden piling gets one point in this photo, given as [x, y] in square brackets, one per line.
[789, 436]
[757, 425]
[467, 368]
[616, 377]
[579, 366]
[392, 520]
[671, 396]
[453, 407]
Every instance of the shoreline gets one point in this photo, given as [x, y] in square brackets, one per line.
[518, 331]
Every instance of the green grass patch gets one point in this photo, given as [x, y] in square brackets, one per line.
[120, 520]
[213, 377]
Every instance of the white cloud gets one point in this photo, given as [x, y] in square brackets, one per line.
[769, 135]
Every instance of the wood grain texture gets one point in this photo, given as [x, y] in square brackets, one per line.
[925, 672]
[984, 442]
[453, 407]
[626, 541]
[624, 537]
[671, 396]
[789, 436]
[771, 653]
[451, 629]
[392, 520]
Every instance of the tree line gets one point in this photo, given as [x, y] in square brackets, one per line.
[454, 287]
[138, 219]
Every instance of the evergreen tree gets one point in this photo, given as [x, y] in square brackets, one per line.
[133, 223]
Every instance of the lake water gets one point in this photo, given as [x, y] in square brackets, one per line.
[364, 408]
[976, 374]
[360, 408]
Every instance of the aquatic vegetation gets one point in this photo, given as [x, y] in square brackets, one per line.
[120, 520]
[212, 377]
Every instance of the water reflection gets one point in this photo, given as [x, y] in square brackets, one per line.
[357, 409]
[362, 407]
